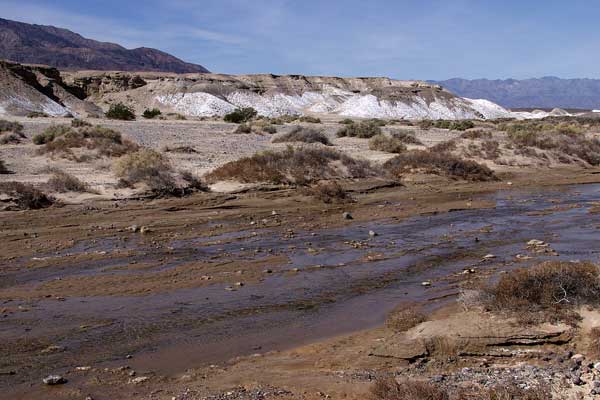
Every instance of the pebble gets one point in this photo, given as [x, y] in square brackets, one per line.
[372, 233]
[347, 215]
[489, 257]
[426, 283]
[139, 379]
[54, 380]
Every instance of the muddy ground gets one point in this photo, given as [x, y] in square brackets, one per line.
[267, 293]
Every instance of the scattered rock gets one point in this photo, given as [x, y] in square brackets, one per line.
[54, 380]
[145, 230]
[426, 283]
[347, 215]
[372, 233]
[139, 379]
[489, 256]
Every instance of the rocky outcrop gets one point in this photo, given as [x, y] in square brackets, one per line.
[25, 89]
[61, 48]
[202, 95]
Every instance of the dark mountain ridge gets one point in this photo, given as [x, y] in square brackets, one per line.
[63, 49]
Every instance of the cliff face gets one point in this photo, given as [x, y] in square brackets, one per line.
[61, 48]
[273, 95]
[26, 88]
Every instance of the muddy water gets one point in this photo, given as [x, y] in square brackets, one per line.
[345, 281]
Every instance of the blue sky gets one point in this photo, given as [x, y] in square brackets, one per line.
[426, 39]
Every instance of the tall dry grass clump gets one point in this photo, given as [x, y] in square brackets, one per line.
[304, 135]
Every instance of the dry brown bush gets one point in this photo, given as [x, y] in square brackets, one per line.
[99, 141]
[406, 137]
[476, 134]
[292, 166]
[386, 143]
[145, 166]
[551, 289]
[390, 389]
[3, 169]
[404, 317]
[9, 126]
[438, 163]
[26, 196]
[444, 147]
[62, 182]
[329, 192]
[304, 135]
[180, 149]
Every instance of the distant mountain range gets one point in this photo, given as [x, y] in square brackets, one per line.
[63, 49]
[547, 92]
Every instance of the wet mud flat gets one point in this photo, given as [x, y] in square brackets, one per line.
[182, 303]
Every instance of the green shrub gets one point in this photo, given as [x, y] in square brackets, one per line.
[309, 119]
[462, 125]
[153, 113]
[305, 135]
[385, 143]
[346, 121]
[37, 114]
[121, 112]
[365, 129]
[241, 115]
[145, 166]
[51, 133]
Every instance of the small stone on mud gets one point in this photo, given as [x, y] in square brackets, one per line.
[144, 230]
[139, 379]
[347, 215]
[372, 233]
[426, 283]
[535, 242]
[134, 228]
[268, 271]
[239, 284]
[84, 368]
[489, 257]
[54, 380]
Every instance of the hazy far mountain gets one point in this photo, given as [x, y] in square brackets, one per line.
[547, 92]
[63, 49]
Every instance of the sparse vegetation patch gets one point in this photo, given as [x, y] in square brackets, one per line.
[26, 196]
[365, 129]
[292, 166]
[305, 135]
[241, 115]
[386, 143]
[121, 112]
[151, 113]
[62, 182]
[440, 164]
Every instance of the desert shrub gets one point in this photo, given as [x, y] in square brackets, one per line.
[120, 111]
[406, 137]
[476, 134]
[309, 119]
[364, 129]
[491, 149]
[3, 168]
[346, 121]
[9, 126]
[180, 149]
[305, 135]
[377, 122]
[462, 125]
[386, 143]
[149, 114]
[292, 166]
[193, 182]
[270, 129]
[547, 286]
[26, 196]
[560, 139]
[240, 115]
[11, 138]
[140, 166]
[438, 163]
[62, 182]
[37, 114]
[177, 116]
[404, 318]
[444, 147]
[390, 389]
[426, 124]
[51, 133]
[243, 128]
[79, 123]
[328, 192]
[103, 142]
